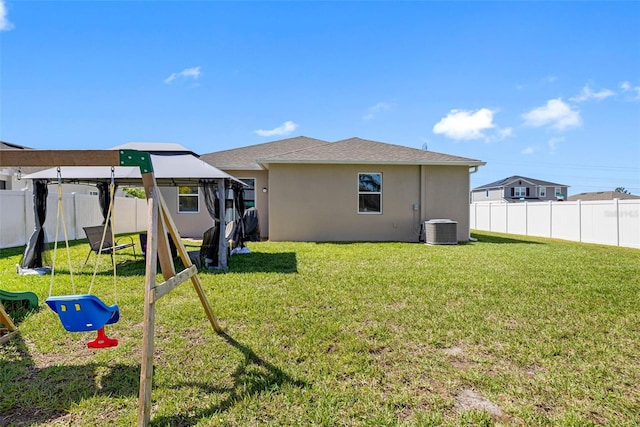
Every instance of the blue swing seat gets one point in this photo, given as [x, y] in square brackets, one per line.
[81, 313]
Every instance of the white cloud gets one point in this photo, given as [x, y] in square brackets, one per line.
[587, 93]
[5, 24]
[627, 87]
[375, 109]
[555, 114]
[461, 124]
[528, 150]
[553, 143]
[187, 73]
[286, 128]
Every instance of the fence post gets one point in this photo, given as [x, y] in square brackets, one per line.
[490, 208]
[526, 218]
[506, 217]
[616, 202]
[550, 218]
[579, 220]
[75, 216]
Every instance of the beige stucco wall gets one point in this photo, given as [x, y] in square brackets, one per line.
[447, 196]
[191, 225]
[320, 203]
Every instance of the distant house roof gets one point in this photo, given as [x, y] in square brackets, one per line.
[507, 181]
[347, 151]
[9, 146]
[602, 195]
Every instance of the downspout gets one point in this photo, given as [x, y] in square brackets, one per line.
[472, 170]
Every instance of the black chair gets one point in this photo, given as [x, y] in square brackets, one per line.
[94, 235]
[143, 245]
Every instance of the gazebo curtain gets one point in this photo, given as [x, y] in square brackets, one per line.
[104, 198]
[35, 250]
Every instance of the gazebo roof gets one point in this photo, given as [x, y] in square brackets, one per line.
[173, 165]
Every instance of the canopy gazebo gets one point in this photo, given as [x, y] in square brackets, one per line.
[173, 164]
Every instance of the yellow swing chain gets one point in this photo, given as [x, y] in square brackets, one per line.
[59, 214]
[104, 234]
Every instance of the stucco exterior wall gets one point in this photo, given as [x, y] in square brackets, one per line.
[447, 196]
[190, 224]
[320, 202]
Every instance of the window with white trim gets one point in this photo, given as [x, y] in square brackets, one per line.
[370, 193]
[558, 191]
[543, 191]
[188, 200]
[520, 191]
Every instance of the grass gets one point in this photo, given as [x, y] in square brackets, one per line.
[502, 331]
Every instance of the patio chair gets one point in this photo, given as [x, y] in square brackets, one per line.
[94, 235]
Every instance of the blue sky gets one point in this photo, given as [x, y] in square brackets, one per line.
[548, 90]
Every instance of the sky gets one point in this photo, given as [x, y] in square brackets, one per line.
[546, 90]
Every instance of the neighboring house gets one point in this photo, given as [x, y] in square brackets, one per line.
[307, 189]
[519, 189]
[602, 195]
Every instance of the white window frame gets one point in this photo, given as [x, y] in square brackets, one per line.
[196, 195]
[379, 193]
[558, 191]
[520, 191]
[542, 192]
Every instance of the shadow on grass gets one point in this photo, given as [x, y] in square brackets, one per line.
[38, 395]
[488, 238]
[261, 262]
[253, 376]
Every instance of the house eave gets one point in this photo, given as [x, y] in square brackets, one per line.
[266, 162]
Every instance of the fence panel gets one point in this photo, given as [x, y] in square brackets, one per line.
[80, 210]
[608, 222]
[517, 218]
[629, 223]
[14, 218]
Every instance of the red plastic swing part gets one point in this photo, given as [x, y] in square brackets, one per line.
[102, 340]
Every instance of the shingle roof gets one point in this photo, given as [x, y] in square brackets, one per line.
[506, 181]
[348, 151]
[602, 195]
[245, 157]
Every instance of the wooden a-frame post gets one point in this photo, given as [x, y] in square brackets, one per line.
[159, 222]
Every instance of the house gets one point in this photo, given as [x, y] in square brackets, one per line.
[518, 189]
[355, 189]
[602, 195]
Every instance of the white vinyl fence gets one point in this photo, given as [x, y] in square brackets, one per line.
[607, 222]
[80, 210]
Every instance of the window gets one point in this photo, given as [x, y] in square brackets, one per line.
[543, 191]
[520, 191]
[249, 192]
[558, 191]
[188, 200]
[370, 193]
[486, 193]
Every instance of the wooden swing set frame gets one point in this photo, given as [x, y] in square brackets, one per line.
[159, 226]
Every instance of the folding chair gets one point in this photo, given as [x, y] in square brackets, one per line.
[94, 235]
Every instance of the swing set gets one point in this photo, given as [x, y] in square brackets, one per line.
[87, 312]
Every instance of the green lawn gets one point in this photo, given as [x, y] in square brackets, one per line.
[506, 330]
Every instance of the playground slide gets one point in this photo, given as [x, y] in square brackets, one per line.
[30, 297]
